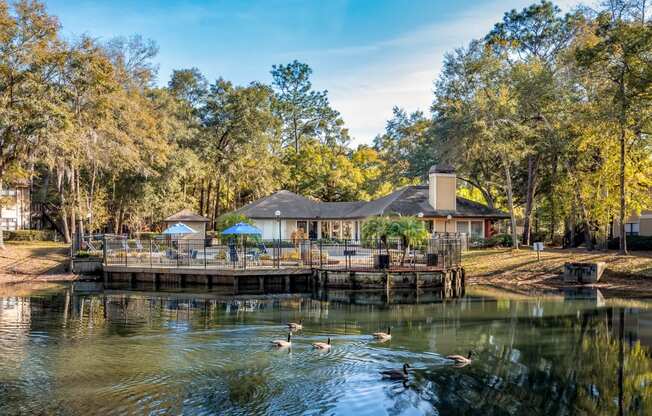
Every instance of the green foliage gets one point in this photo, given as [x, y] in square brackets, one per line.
[500, 240]
[634, 242]
[29, 235]
[534, 117]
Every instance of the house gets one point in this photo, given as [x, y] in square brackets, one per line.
[635, 224]
[192, 220]
[16, 207]
[436, 203]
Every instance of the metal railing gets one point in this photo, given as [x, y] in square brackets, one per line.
[436, 253]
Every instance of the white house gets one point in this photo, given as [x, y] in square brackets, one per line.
[435, 202]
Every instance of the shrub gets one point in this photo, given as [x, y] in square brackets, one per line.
[499, 240]
[29, 235]
[634, 243]
[149, 235]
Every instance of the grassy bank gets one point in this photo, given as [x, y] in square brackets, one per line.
[22, 261]
[520, 269]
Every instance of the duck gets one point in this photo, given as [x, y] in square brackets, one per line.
[396, 374]
[296, 326]
[461, 360]
[282, 343]
[323, 345]
[384, 336]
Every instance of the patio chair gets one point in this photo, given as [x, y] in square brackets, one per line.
[262, 248]
[125, 245]
[139, 246]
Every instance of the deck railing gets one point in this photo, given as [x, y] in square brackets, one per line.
[442, 251]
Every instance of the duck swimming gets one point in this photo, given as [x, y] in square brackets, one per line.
[396, 374]
[323, 345]
[296, 326]
[282, 343]
[383, 336]
[461, 360]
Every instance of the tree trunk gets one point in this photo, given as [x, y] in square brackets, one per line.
[2, 238]
[62, 208]
[623, 236]
[551, 197]
[510, 202]
[587, 228]
[532, 168]
[201, 197]
[216, 211]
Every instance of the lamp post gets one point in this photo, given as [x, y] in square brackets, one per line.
[448, 218]
[277, 214]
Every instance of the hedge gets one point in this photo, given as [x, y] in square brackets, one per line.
[634, 242]
[29, 235]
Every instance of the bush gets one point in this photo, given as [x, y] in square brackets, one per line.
[634, 243]
[149, 235]
[499, 240]
[29, 235]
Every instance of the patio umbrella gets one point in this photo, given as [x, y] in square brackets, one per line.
[242, 228]
[179, 228]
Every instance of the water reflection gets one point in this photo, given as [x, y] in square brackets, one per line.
[89, 350]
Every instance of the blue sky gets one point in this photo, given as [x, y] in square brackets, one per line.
[369, 55]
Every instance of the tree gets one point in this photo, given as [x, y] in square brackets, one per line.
[531, 42]
[619, 55]
[29, 101]
[305, 113]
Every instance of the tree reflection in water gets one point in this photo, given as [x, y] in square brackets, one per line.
[141, 351]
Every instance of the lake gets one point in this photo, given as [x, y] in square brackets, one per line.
[87, 350]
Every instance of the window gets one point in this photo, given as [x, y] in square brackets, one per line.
[335, 229]
[325, 229]
[631, 228]
[463, 227]
[430, 225]
[476, 229]
[347, 230]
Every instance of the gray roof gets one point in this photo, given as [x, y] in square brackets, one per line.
[186, 215]
[409, 200]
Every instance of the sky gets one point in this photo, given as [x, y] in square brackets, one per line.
[371, 55]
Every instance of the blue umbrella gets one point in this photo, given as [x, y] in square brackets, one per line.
[241, 228]
[179, 228]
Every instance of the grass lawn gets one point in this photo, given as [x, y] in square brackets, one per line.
[25, 260]
[504, 267]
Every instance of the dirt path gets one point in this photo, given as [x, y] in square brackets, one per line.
[520, 270]
[38, 261]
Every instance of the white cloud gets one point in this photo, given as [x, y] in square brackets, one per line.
[399, 71]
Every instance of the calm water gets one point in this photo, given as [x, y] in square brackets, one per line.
[72, 352]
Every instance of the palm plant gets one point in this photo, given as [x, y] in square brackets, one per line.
[410, 230]
[377, 229]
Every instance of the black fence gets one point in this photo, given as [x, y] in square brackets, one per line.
[436, 253]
